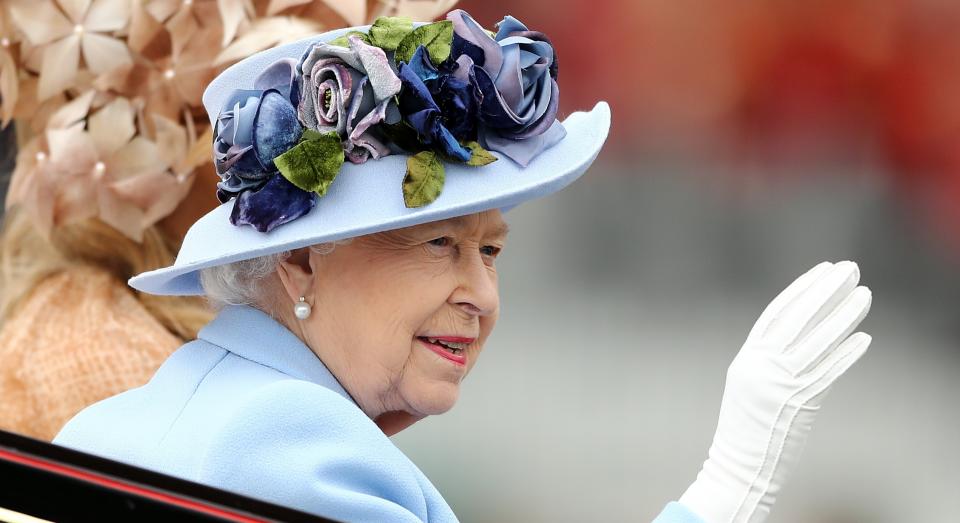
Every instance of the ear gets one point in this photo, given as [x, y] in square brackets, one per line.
[296, 273]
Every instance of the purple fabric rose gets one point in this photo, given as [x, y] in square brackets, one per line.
[349, 90]
[275, 203]
[516, 74]
[439, 107]
[254, 127]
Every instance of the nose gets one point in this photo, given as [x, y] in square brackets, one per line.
[477, 292]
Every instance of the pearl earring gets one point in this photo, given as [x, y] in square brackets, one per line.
[302, 309]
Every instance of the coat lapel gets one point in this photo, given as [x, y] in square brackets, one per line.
[254, 335]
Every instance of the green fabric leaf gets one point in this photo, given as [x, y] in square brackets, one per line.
[313, 134]
[388, 31]
[424, 179]
[344, 42]
[313, 163]
[478, 155]
[436, 37]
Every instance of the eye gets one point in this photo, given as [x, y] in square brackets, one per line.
[490, 250]
[443, 241]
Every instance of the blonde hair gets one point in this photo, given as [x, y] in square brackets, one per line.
[27, 257]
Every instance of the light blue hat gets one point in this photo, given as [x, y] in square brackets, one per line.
[365, 196]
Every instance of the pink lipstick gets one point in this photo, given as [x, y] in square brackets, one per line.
[450, 347]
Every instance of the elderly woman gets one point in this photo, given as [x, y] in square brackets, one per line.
[357, 295]
[106, 185]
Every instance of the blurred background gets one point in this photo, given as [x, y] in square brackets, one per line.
[750, 140]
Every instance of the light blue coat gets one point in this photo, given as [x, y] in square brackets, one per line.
[248, 407]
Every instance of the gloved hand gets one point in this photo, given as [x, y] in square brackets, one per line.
[799, 346]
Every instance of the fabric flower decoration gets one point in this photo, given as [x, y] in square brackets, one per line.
[255, 127]
[354, 12]
[413, 9]
[349, 90]
[61, 30]
[65, 65]
[266, 33]
[9, 81]
[170, 85]
[99, 159]
[439, 107]
[274, 204]
[516, 73]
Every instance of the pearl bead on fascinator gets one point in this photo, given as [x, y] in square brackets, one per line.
[106, 94]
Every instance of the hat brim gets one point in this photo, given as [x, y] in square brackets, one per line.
[368, 198]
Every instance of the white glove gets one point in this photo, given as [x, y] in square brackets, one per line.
[800, 345]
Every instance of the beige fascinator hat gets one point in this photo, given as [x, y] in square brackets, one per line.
[106, 94]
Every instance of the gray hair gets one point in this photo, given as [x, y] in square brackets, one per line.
[243, 282]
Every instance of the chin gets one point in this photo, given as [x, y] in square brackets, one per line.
[435, 398]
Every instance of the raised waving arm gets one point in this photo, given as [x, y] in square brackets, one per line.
[775, 386]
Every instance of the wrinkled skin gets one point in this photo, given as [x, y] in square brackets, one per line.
[373, 299]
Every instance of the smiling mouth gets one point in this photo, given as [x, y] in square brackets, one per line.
[450, 348]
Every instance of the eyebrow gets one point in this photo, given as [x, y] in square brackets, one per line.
[501, 230]
[460, 222]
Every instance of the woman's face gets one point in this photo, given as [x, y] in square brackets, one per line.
[401, 317]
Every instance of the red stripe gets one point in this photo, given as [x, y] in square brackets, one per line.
[97, 479]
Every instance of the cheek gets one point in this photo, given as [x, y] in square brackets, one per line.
[382, 334]
[486, 328]
[487, 323]
[413, 297]
[382, 317]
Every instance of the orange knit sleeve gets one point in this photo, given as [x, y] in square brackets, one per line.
[81, 336]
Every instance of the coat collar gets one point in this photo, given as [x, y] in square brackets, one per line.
[254, 335]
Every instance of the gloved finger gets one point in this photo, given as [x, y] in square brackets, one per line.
[834, 365]
[814, 304]
[830, 333]
[834, 299]
[785, 297]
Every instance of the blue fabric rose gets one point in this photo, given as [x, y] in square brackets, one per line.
[440, 107]
[253, 128]
[516, 75]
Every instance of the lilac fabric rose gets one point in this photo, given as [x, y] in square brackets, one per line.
[350, 91]
[439, 107]
[516, 73]
[254, 127]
